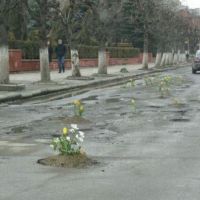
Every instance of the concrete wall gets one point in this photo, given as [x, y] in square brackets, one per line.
[17, 64]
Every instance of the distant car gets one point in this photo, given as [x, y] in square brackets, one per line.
[196, 63]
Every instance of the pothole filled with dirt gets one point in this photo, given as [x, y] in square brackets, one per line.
[68, 161]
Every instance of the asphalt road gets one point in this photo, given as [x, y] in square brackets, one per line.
[150, 154]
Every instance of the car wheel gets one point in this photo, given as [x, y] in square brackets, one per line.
[193, 71]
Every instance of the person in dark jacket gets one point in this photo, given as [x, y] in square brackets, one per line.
[60, 53]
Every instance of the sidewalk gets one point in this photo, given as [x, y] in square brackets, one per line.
[31, 77]
[61, 83]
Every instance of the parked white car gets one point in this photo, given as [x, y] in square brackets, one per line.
[196, 63]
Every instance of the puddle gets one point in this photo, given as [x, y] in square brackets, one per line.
[181, 112]
[59, 108]
[43, 141]
[12, 144]
[112, 100]
[114, 108]
[180, 120]
[19, 129]
[123, 114]
[185, 86]
[155, 106]
[101, 125]
[90, 98]
[20, 145]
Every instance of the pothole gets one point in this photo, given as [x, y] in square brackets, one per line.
[123, 114]
[18, 129]
[112, 100]
[180, 120]
[154, 106]
[68, 161]
[114, 108]
[90, 98]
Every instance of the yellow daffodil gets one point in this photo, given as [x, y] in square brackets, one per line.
[81, 108]
[77, 102]
[65, 131]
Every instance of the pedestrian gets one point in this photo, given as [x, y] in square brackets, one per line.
[60, 53]
[187, 56]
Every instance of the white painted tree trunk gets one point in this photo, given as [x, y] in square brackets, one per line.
[167, 59]
[75, 63]
[158, 59]
[175, 60]
[4, 65]
[102, 62]
[163, 60]
[44, 65]
[145, 60]
[146, 48]
[183, 58]
[171, 58]
[178, 57]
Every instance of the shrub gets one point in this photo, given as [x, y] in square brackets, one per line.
[115, 52]
[31, 50]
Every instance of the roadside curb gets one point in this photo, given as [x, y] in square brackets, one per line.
[108, 81]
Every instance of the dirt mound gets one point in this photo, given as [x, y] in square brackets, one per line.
[68, 161]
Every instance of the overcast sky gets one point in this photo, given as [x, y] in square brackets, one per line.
[192, 3]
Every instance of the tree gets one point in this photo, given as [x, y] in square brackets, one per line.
[78, 20]
[7, 7]
[18, 20]
[108, 28]
[43, 13]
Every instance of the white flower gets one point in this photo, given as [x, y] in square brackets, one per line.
[75, 126]
[82, 134]
[52, 146]
[68, 138]
[56, 140]
[77, 137]
[72, 130]
[80, 139]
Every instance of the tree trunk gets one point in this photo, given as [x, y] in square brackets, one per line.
[175, 60]
[4, 55]
[167, 59]
[158, 59]
[145, 54]
[44, 65]
[183, 58]
[163, 61]
[178, 57]
[170, 58]
[102, 62]
[75, 63]
[4, 64]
